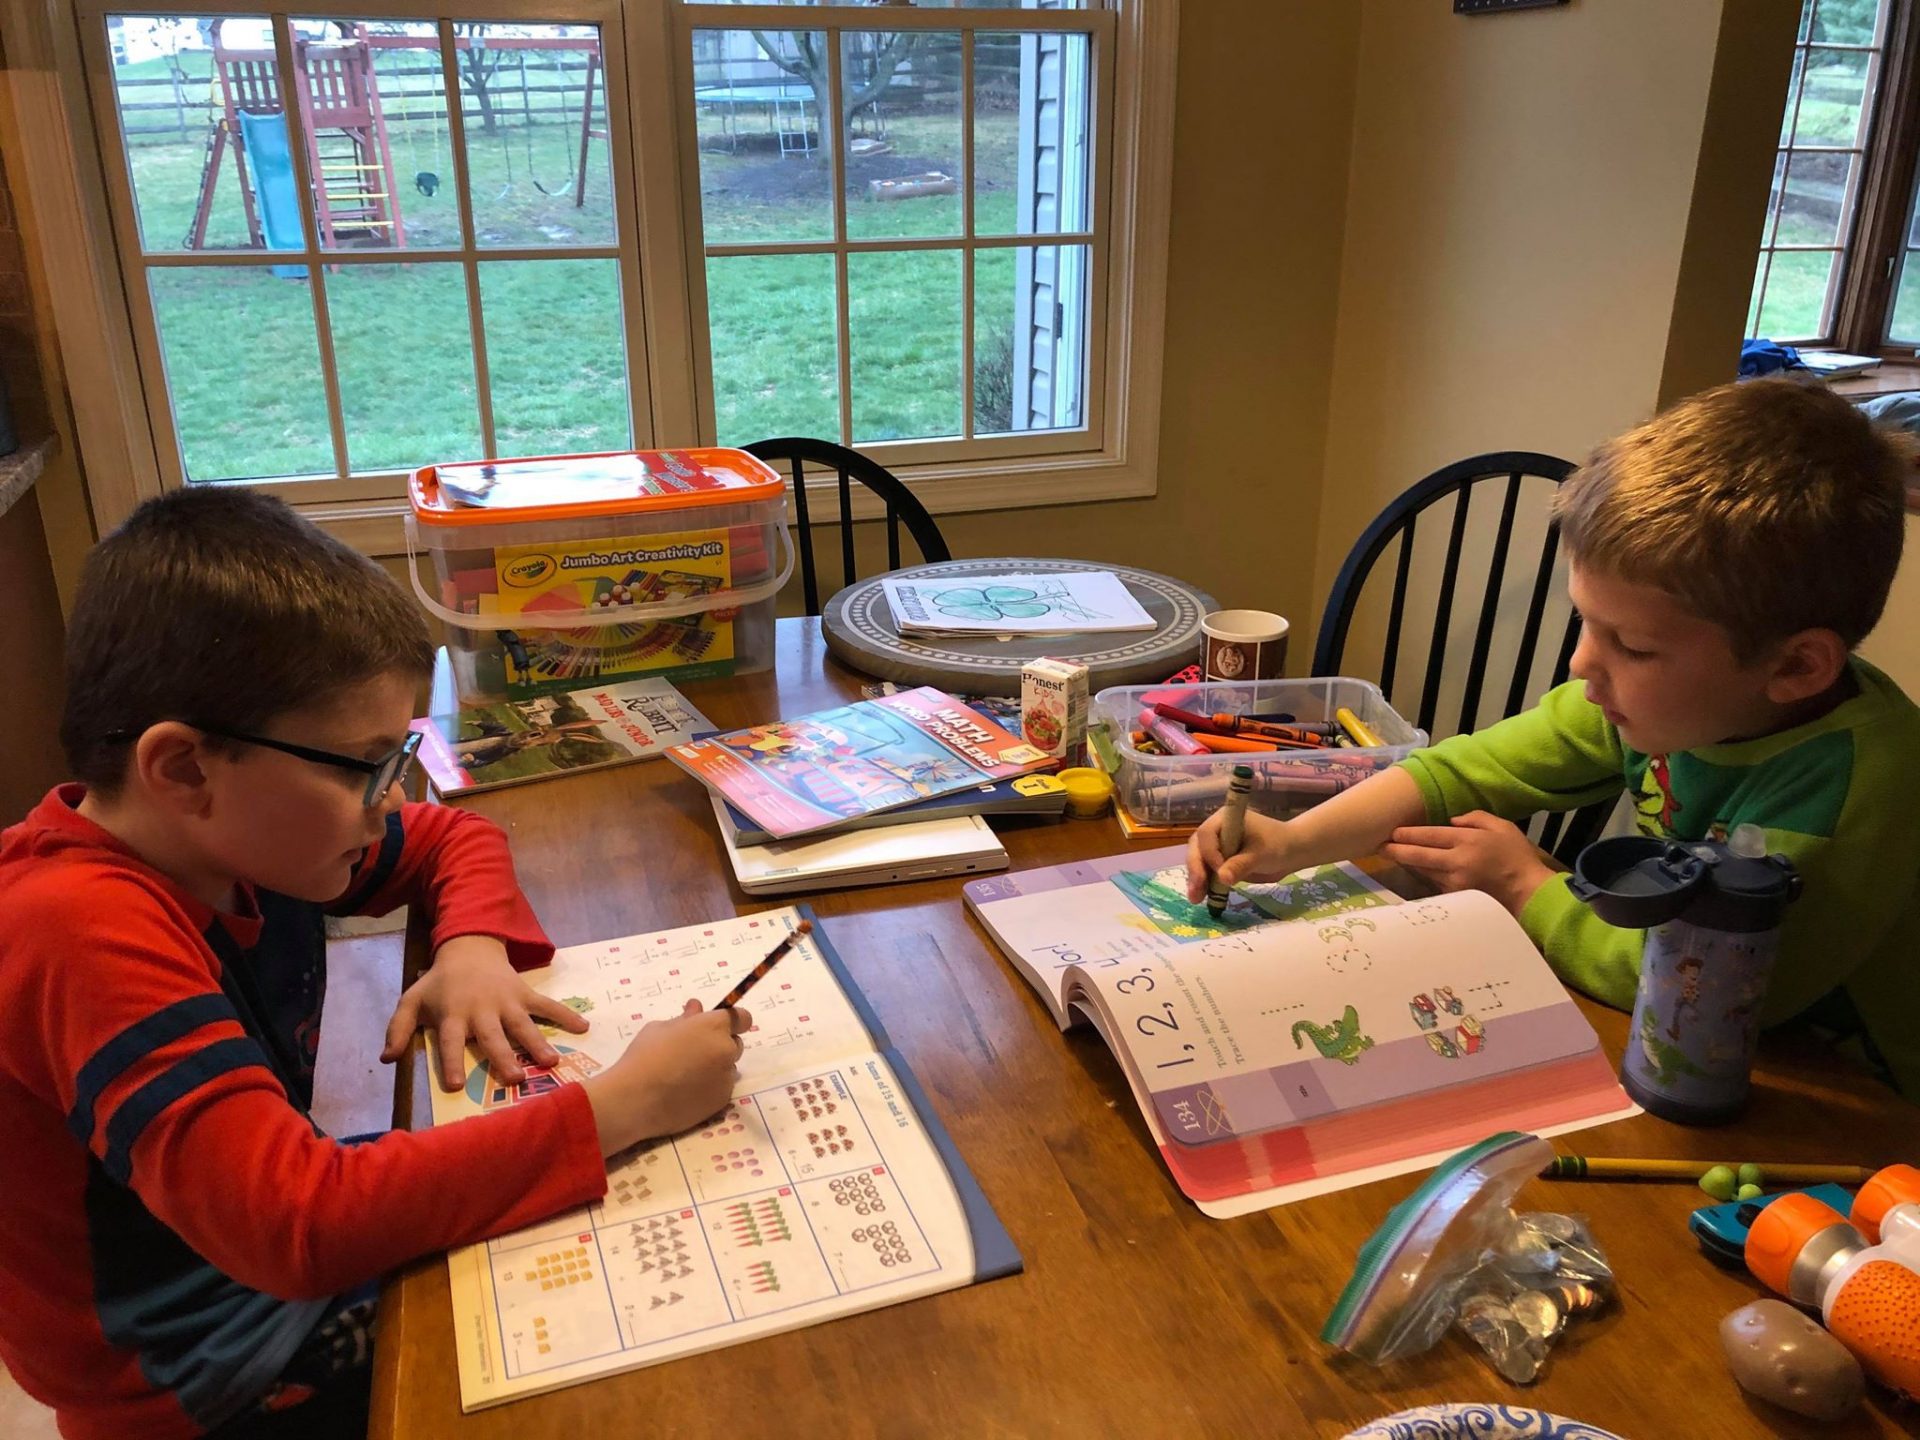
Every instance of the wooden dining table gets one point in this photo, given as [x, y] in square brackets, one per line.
[1135, 1314]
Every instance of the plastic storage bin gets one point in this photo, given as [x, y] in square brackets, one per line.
[661, 563]
[1185, 789]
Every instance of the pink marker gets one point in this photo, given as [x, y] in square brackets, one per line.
[1169, 736]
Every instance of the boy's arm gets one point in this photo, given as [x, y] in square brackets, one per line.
[159, 1079]
[1353, 823]
[1559, 755]
[457, 863]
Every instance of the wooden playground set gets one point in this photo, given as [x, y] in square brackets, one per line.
[356, 196]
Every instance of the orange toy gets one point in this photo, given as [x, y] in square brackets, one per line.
[1867, 1294]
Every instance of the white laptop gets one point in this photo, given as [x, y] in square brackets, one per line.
[955, 845]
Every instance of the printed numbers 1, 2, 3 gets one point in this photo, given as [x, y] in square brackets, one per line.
[1146, 1024]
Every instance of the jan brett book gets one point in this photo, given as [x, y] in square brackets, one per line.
[486, 746]
[793, 777]
[1319, 1034]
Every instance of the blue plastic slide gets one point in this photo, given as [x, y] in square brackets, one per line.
[270, 159]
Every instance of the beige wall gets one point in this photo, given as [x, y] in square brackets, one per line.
[1895, 645]
[1535, 253]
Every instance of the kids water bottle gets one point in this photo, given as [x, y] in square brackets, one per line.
[1712, 914]
[1868, 1296]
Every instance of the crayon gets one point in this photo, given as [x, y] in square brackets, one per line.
[1233, 825]
[1579, 1167]
[1239, 744]
[1360, 733]
[1203, 724]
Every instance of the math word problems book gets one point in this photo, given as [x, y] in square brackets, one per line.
[827, 1186]
[1316, 1036]
[486, 746]
[792, 777]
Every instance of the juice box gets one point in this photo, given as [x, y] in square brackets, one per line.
[1053, 707]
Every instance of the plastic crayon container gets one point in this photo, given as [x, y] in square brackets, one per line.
[1185, 789]
[562, 571]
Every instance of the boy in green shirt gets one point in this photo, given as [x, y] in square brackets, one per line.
[1725, 558]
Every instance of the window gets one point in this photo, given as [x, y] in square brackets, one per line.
[1840, 217]
[918, 264]
[634, 222]
[368, 279]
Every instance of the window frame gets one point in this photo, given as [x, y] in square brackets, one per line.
[346, 486]
[1870, 248]
[837, 20]
[70, 146]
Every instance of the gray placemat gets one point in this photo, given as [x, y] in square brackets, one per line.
[859, 629]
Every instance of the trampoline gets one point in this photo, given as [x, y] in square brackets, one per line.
[789, 109]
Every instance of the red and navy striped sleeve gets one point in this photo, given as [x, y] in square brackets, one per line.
[158, 1078]
[457, 864]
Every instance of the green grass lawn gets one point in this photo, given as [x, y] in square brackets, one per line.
[241, 347]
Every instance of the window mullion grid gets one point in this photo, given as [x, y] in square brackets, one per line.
[295, 120]
[892, 245]
[842, 323]
[469, 265]
[967, 337]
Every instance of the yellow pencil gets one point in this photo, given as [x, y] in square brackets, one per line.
[1581, 1167]
[1351, 723]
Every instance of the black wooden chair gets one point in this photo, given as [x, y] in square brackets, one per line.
[793, 453]
[1509, 473]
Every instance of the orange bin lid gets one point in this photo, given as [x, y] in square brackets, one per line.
[613, 484]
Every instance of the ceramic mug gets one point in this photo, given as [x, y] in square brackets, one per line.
[1243, 645]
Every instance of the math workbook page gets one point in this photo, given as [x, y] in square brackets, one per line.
[820, 1191]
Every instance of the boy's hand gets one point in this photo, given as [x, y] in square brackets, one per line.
[1477, 851]
[1265, 854]
[674, 1074]
[471, 992]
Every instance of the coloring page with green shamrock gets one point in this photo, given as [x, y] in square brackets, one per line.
[1073, 602]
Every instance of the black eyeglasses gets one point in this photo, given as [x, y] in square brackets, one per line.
[383, 774]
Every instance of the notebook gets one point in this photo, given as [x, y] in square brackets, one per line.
[958, 845]
[1318, 1035]
[828, 1186]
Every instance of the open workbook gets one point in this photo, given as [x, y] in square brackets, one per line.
[1320, 1034]
[827, 1187]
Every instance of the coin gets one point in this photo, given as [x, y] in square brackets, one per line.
[1529, 1250]
[1537, 1311]
[1578, 1299]
[1558, 1227]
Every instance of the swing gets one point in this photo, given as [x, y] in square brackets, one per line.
[425, 181]
[526, 121]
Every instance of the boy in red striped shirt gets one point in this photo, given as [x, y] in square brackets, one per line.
[182, 1251]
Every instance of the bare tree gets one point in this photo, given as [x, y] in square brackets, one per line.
[806, 59]
[478, 63]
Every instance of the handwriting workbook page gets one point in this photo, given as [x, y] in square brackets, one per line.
[818, 1192]
[1107, 913]
[1291, 1060]
[1287, 1023]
